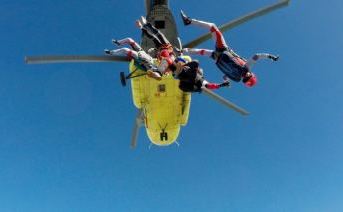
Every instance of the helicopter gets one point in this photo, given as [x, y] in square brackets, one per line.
[162, 107]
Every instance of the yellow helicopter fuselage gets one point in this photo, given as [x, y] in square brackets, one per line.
[164, 105]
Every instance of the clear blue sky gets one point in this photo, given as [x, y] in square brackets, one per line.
[65, 128]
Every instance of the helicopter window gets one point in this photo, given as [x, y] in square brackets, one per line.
[162, 88]
[160, 24]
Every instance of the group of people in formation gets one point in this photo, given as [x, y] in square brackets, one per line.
[190, 74]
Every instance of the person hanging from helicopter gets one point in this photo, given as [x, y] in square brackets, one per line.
[231, 64]
[189, 73]
[191, 76]
[141, 58]
[160, 40]
[164, 51]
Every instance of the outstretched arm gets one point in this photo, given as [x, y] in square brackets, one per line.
[259, 56]
[205, 52]
[213, 86]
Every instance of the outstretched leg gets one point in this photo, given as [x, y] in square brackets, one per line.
[124, 52]
[153, 31]
[216, 33]
[142, 22]
[151, 72]
[129, 41]
[154, 38]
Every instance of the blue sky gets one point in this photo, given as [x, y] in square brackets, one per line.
[65, 128]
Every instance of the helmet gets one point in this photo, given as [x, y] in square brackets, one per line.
[164, 55]
[250, 81]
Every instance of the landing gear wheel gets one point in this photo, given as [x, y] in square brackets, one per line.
[123, 79]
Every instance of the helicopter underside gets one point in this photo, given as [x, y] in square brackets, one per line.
[165, 106]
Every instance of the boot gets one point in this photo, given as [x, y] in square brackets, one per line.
[225, 84]
[107, 51]
[274, 58]
[114, 41]
[186, 20]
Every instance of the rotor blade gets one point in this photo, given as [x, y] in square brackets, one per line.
[225, 102]
[73, 59]
[138, 123]
[238, 21]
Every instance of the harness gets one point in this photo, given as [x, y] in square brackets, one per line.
[232, 66]
[140, 65]
[143, 62]
[190, 77]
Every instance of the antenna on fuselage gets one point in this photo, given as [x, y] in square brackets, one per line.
[139, 121]
[150, 145]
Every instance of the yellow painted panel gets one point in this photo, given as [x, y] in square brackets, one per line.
[163, 138]
[185, 108]
[163, 110]
[137, 86]
[165, 106]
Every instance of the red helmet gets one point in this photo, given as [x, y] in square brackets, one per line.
[164, 53]
[250, 81]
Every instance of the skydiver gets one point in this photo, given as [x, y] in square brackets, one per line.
[191, 77]
[138, 54]
[160, 40]
[232, 65]
[189, 73]
[165, 51]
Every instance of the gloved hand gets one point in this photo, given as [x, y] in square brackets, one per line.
[225, 84]
[274, 58]
[107, 51]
